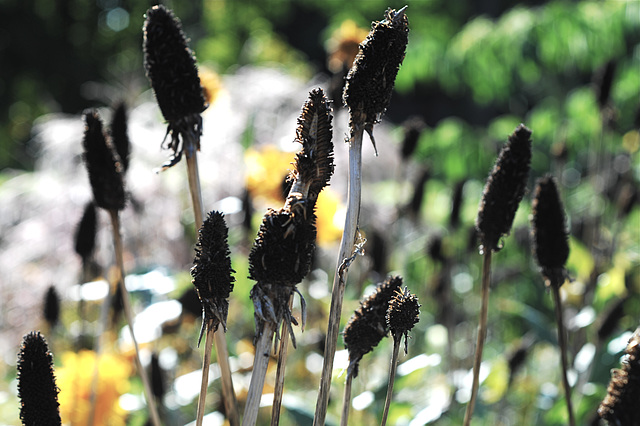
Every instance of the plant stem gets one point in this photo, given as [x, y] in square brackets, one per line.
[260, 364]
[117, 242]
[340, 277]
[228, 394]
[563, 351]
[206, 360]
[346, 401]
[482, 334]
[282, 360]
[392, 378]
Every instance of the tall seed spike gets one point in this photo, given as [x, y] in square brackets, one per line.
[504, 189]
[37, 388]
[85, 235]
[103, 165]
[549, 232]
[119, 135]
[212, 271]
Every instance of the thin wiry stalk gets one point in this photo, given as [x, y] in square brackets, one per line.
[340, 277]
[260, 364]
[117, 242]
[392, 378]
[229, 395]
[346, 401]
[563, 352]
[206, 359]
[282, 360]
[482, 334]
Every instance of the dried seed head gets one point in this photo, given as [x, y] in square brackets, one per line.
[620, 406]
[313, 166]
[103, 165]
[456, 204]
[604, 82]
[368, 325]
[283, 250]
[403, 313]
[611, 318]
[412, 127]
[158, 386]
[37, 388]
[51, 308]
[85, 237]
[171, 68]
[504, 189]
[415, 205]
[371, 79]
[212, 271]
[119, 135]
[549, 232]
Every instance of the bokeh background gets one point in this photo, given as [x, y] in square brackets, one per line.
[474, 70]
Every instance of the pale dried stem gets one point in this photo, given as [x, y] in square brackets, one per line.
[206, 360]
[346, 401]
[260, 364]
[482, 334]
[222, 352]
[282, 361]
[563, 351]
[128, 313]
[340, 277]
[392, 378]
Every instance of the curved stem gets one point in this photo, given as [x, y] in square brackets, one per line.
[392, 378]
[340, 277]
[482, 334]
[563, 351]
[117, 241]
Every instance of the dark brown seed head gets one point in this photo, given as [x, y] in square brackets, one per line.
[412, 127]
[283, 250]
[610, 319]
[103, 165]
[37, 388]
[158, 386]
[212, 271]
[504, 189]
[119, 135]
[368, 325]
[415, 205]
[620, 406]
[85, 237]
[456, 204]
[51, 309]
[549, 232]
[371, 79]
[402, 314]
[313, 166]
[604, 82]
[171, 68]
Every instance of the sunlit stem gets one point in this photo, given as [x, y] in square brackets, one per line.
[340, 277]
[278, 389]
[563, 350]
[128, 313]
[346, 401]
[260, 364]
[482, 334]
[206, 360]
[229, 395]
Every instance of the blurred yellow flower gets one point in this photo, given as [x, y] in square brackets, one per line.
[266, 169]
[74, 380]
[211, 84]
[330, 217]
[342, 46]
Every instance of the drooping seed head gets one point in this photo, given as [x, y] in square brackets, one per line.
[103, 165]
[51, 308]
[212, 271]
[368, 325]
[549, 232]
[620, 406]
[402, 314]
[119, 135]
[313, 165]
[171, 68]
[85, 236]
[37, 388]
[371, 79]
[504, 189]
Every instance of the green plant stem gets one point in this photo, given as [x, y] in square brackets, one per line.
[340, 277]
[260, 364]
[117, 242]
[206, 360]
[229, 395]
[346, 401]
[278, 389]
[482, 334]
[563, 351]
[392, 378]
